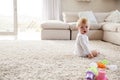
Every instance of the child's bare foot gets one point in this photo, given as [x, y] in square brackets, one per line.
[95, 53]
[90, 56]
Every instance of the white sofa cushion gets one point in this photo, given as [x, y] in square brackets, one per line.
[54, 24]
[73, 25]
[92, 34]
[103, 23]
[92, 26]
[55, 34]
[70, 16]
[89, 15]
[101, 16]
[113, 17]
[115, 27]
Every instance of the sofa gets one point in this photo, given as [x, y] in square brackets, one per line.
[112, 33]
[66, 29]
[55, 30]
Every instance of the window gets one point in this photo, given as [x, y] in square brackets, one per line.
[6, 16]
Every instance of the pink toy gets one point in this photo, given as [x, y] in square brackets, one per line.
[101, 75]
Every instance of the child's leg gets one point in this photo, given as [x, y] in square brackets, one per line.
[95, 53]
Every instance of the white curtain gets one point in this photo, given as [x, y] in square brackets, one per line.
[51, 9]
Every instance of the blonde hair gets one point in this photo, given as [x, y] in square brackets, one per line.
[82, 21]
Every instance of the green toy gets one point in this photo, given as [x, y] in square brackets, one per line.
[104, 61]
[93, 69]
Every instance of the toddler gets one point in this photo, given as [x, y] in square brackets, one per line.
[82, 41]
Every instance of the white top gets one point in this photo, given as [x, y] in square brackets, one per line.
[81, 45]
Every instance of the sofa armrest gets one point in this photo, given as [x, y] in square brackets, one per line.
[114, 27]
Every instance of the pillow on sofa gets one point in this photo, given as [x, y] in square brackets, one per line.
[113, 17]
[70, 16]
[89, 15]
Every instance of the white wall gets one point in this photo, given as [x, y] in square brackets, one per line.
[94, 5]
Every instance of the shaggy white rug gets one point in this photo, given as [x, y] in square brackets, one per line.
[52, 60]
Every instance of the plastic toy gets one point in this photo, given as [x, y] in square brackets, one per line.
[97, 71]
[93, 69]
[90, 75]
[112, 67]
[104, 61]
[101, 75]
[102, 64]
